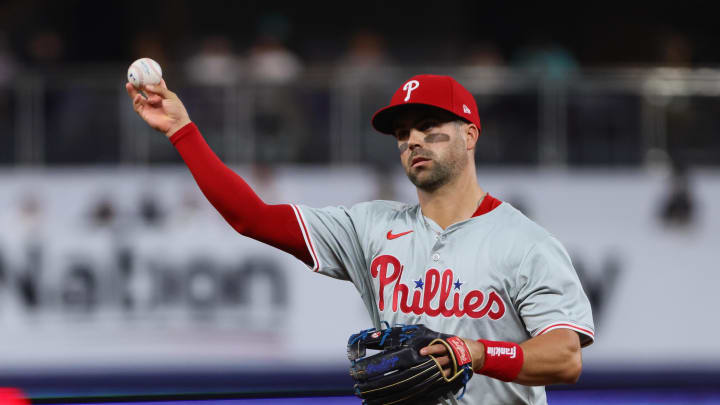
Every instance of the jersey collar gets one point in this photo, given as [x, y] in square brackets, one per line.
[488, 204]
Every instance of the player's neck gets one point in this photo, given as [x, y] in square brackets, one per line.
[455, 201]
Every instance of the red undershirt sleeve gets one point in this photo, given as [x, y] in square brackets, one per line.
[231, 196]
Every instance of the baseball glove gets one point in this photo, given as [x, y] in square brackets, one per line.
[398, 374]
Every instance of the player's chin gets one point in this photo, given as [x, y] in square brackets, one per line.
[421, 172]
[419, 177]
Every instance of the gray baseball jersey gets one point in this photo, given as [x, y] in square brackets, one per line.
[496, 276]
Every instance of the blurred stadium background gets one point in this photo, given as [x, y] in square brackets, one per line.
[118, 280]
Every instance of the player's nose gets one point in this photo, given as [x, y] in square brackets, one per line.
[415, 139]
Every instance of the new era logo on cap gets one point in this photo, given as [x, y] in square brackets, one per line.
[432, 90]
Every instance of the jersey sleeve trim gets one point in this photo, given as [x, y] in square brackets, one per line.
[573, 326]
[306, 235]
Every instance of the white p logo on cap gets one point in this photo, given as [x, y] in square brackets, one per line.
[409, 87]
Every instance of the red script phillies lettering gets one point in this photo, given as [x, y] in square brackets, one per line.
[388, 270]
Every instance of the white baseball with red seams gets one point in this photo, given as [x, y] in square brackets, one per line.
[144, 71]
[497, 276]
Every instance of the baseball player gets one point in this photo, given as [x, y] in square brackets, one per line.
[460, 261]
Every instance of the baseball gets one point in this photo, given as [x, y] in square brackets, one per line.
[144, 71]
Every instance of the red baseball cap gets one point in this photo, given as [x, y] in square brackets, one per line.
[431, 90]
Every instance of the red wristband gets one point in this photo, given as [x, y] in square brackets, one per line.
[503, 360]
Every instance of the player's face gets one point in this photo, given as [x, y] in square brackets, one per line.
[432, 147]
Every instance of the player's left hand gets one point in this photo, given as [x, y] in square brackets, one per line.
[439, 351]
[399, 374]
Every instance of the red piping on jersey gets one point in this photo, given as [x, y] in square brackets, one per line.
[568, 325]
[276, 225]
[307, 236]
[488, 204]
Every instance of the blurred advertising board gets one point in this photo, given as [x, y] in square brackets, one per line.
[133, 267]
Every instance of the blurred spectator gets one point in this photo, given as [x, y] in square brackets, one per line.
[365, 54]
[360, 79]
[270, 61]
[46, 48]
[484, 54]
[215, 64]
[74, 136]
[150, 45]
[212, 71]
[8, 62]
[8, 71]
[689, 115]
[675, 51]
[548, 58]
[279, 120]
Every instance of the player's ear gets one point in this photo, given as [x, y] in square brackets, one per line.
[471, 133]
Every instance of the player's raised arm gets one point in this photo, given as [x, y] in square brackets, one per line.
[275, 225]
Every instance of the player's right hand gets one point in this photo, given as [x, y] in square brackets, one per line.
[162, 109]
